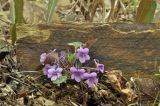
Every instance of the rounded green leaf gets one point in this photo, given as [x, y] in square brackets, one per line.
[60, 80]
[75, 44]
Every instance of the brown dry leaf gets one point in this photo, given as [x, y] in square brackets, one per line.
[116, 79]
[20, 101]
[129, 93]
[119, 83]
[7, 90]
[35, 11]
[94, 6]
[103, 93]
[52, 58]
[41, 101]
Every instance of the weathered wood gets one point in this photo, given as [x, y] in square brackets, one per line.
[129, 47]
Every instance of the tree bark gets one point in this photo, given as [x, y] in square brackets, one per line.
[128, 47]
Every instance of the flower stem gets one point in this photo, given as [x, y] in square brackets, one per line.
[95, 61]
[89, 68]
[83, 93]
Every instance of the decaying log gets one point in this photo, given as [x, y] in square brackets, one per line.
[129, 47]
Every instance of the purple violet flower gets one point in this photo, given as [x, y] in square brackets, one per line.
[91, 78]
[43, 57]
[100, 67]
[77, 74]
[54, 73]
[46, 68]
[82, 54]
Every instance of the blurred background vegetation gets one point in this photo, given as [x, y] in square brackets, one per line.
[13, 12]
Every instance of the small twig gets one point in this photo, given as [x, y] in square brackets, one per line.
[32, 84]
[116, 3]
[10, 62]
[5, 21]
[38, 77]
[3, 66]
[30, 72]
[85, 99]
[73, 7]
[89, 68]
[19, 95]
[65, 67]
[2, 6]
[123, 7]
[19, 81]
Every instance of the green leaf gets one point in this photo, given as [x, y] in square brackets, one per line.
[71, 57]
[12, 11]
[13, 33]
[134, 3]
[16, 12]
[18, 6]
[51, 9]
[146, 11]
[75, 44]
[61, 79]
[157, 75]
[150, 15]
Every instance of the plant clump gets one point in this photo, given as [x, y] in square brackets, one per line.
[71, 65]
